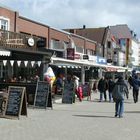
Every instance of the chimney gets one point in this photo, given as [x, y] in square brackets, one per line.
[84, 26]
[135, 35]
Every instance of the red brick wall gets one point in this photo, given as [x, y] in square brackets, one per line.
[58, 35]
[21, 24]
[6, 13]
[90, 45]
[33, 28]
[78, 41]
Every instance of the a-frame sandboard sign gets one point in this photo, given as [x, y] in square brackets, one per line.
[43, 98]
[17, 102]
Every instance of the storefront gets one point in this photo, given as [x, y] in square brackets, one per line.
[84, 65]
[21, 62]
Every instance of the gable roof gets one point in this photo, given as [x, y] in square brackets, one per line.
[121, 31]
[96, 34]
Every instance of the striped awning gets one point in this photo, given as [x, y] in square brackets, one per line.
[109, 69]
[4, 52]
[63, 65]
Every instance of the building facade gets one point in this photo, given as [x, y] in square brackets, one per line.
[115, 42]
[30, 41]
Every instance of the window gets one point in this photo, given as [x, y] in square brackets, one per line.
[4, 23]
[79, 49]
[90, 52]
[57, 44]
[122, 43]
[109, 44]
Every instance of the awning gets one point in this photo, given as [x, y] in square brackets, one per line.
[110, 69]
[58, 61]
[63, 65]
[4, 52]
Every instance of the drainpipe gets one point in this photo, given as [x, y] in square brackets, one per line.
[82, 75]
[15, 25]
[48, 45]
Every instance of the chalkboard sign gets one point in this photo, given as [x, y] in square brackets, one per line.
[43, 95]
[16, 103]
[68, 93]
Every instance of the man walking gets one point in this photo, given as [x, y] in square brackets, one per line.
[135, 83]
[118, 94]
[102, 87]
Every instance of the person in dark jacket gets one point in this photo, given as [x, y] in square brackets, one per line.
[135, 84]
[111, 84]
[119, 91]
[102, 87]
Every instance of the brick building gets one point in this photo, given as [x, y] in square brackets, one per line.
[28, 40]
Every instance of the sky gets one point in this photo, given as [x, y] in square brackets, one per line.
[62, 14]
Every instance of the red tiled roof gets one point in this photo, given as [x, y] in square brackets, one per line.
[95, 34]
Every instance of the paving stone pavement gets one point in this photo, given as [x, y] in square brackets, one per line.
[86, 120]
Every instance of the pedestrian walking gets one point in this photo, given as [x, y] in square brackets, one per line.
[102, 87]
[78, 89]
[135, 83]
[119, 91]
[59, 84]
[111, 84]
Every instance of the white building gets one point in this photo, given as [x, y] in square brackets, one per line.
[135, 57]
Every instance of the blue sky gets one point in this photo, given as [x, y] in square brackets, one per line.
[76, 13]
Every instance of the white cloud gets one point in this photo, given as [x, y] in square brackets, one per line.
[75, 13]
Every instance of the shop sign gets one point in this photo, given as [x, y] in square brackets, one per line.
[31, 42]
[93, 58]
[17, 41]
[101, 60]
[70, 53]
[85, 57]
[109, 60]
[77, 56]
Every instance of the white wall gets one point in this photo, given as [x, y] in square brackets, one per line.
[135, 54]
[121, 59]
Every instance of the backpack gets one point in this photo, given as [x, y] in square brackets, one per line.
[118, 92]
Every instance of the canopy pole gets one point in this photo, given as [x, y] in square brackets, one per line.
[100, 72]
[82, 75]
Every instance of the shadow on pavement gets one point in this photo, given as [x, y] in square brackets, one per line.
[129, 102]
[132, 111]
[94, 116]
